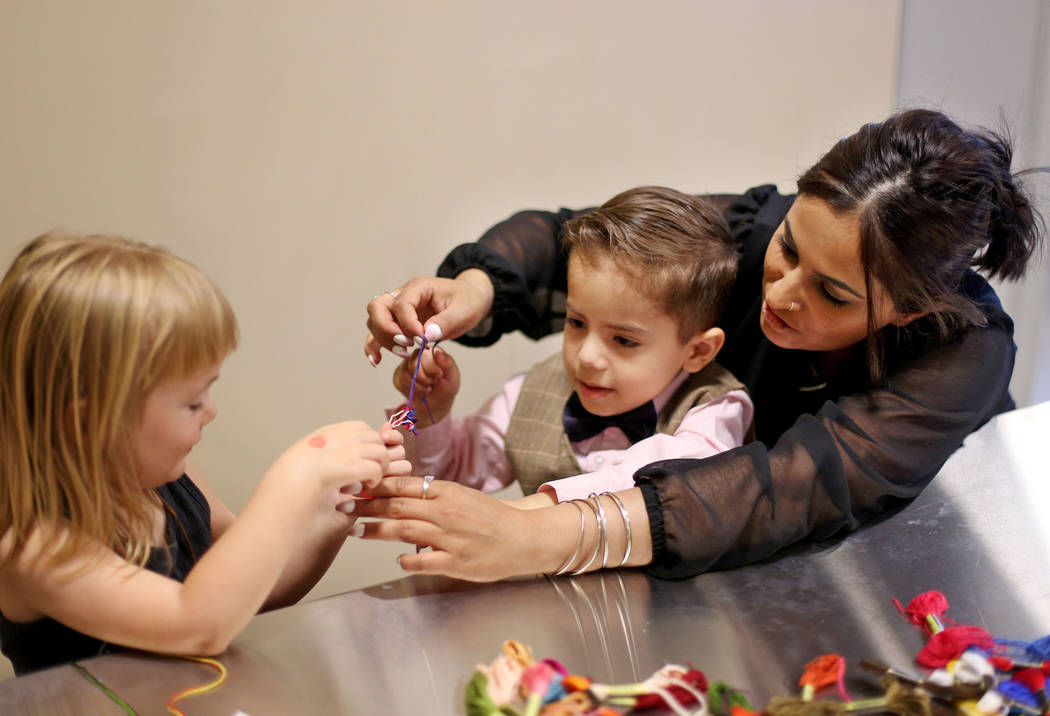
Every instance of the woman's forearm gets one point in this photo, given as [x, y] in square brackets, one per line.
[614, 533]
[478, 537]
[479, 283]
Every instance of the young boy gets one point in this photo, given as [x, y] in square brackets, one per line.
[649, 273]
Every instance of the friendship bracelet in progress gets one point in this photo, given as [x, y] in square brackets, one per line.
[406, 417]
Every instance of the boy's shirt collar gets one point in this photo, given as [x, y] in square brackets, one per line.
[636, 424]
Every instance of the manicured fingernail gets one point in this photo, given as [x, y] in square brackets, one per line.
[417, 341]
[432, 332]
[357, 530]
[346, 507]
[354, 488]
[400, 352]
[372, 360]
[402, 340]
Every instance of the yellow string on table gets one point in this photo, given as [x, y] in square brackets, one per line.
[195, 690]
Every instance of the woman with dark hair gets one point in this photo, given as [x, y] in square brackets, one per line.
[870, 346]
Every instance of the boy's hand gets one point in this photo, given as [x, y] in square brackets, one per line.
[395, 443]
[437, 380]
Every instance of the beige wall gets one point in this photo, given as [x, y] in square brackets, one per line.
[309, 155]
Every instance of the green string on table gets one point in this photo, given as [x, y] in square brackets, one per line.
[105, 689]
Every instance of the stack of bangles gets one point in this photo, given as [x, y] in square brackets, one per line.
[594, 504]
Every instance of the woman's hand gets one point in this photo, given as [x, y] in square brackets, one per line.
[474, 536]
[437, 379]
[543, 498]
[448, 308]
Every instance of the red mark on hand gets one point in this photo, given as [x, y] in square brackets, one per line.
[316, 441]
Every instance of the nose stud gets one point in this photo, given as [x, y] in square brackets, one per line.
[792, 307]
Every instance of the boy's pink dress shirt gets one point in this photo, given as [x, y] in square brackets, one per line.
[470, 450]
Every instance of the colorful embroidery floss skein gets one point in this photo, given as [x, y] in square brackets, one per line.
[536, 681]
[953, 691]
[1035, 653]
[949, 644]
[900, 698]
[925, 611]
[945, 644]
[515, 684]
[823, 671]
[1035, 681]
[674, 687]
[723, 698]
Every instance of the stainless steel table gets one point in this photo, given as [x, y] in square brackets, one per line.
[980, 534]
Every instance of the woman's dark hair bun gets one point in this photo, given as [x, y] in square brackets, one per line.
[1014, 226]
[933, 201]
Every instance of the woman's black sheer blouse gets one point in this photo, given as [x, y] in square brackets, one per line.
[826, 458]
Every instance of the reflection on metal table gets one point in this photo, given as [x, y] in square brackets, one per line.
[979, 533]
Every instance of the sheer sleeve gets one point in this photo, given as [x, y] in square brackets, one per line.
[834, 469]
[522, 256]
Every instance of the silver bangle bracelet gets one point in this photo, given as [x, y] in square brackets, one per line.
[579, 543]
[602, 528]
[626, 525]
[597, 543]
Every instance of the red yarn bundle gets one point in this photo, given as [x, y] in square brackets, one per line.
[694, 678]
[922, 607]
[947, 645]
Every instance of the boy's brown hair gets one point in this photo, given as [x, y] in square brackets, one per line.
[677, 247]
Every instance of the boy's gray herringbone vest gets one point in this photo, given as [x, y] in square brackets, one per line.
[536, 444]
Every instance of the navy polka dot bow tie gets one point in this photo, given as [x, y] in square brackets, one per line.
[580, 424]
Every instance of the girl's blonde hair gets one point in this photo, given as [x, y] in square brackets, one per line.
[89, 326]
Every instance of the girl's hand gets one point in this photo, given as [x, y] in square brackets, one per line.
[437, 380]
[339, 459]
[448, 308]
[474, 536]
[351, 494]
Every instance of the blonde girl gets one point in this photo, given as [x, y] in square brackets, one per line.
[109, 535]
